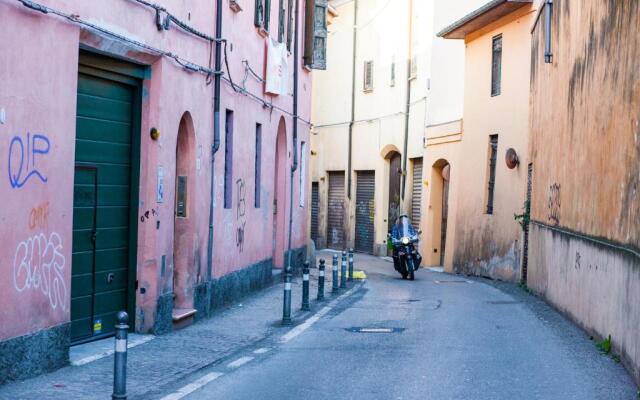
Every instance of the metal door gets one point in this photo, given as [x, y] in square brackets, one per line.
[102, 198]
[365, 211]
[315, 208]
[335, 211]
[416, 192]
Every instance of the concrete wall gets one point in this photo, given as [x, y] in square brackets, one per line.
[39, 80]
[489, 244]
[584, 148]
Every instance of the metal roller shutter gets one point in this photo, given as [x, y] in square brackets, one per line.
[335, 214]
[416, 193]
[365, 211]
[315, 208]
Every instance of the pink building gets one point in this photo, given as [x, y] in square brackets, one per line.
[107, 146]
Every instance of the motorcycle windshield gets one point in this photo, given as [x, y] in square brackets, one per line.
[405, 227]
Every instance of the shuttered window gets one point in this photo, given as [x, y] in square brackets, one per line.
[496, 65]
[416, 192]
[315, 40]
[258, 165]
[228, 159]
[281, 20]
[303, 172]
[368, 76]
[493, 159]
[262, 13]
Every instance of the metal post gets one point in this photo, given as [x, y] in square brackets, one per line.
[350, 265]
[334, 270]
[286, 306]
[120, 358]
[321, 280]
[305, 287]
[343, 271]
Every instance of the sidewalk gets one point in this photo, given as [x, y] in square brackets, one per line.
[163, 361]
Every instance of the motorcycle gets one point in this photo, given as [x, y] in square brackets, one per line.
[406, 259]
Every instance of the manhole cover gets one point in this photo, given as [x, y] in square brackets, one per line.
[503, 302]
[374, 330]
[452, 281]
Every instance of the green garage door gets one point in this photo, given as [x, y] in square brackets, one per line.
[101, 279]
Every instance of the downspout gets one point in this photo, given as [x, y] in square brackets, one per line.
[408, 105]
[294, 165]
[216, 128]
[353, 97]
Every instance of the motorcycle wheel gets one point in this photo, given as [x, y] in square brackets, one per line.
[411, 269]
[404, 276]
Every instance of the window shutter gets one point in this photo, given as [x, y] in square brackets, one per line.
[496, 65]
[315, 49]
[368, 76]
[290, 24]
[267, 14]
[281, 19]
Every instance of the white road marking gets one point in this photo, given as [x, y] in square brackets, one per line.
[239, 362]
[192, 387]
[131, 344]
[261, 350]
[312, 320]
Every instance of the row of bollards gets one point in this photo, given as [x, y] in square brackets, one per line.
[339, 282]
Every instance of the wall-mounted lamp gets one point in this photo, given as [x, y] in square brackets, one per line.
[511, 158]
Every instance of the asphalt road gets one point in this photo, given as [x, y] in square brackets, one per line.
[451, 338]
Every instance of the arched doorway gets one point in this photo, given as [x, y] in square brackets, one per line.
[279, 194]
[184, 240]
[439, 200]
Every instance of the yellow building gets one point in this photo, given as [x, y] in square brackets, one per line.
[490, 181]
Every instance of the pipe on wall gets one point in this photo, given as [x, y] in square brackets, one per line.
[216, 129]
[408, 104]
[294, 165]
[353, 97]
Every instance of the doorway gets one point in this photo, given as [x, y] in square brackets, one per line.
[365, 211]
[184, 240]
[439, 213]
[335, 211]
[279, 195]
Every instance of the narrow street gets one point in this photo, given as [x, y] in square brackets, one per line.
[451, 338]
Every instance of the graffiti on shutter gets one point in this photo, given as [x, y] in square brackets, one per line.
[335, 211]
[315, 208]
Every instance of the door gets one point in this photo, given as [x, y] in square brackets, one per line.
[279, 195]
[365, 210]
[416, 193]
[107, 115]
[446, 176]
[335, 211]
[315, 209]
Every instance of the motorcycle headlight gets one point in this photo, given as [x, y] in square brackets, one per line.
[405, 240]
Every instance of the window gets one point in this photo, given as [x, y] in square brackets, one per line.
[228, 159]
[290, 23]
[262, 12]
[493, 159]
[258, 166]
[368, 76]
[281, 20]
[548, 15]
[315, 34]
[392, 83]
[413, 68]
[496, 65]
[303, 172]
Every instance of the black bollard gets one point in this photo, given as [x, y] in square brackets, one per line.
[343, 271]
[321, 280]
[286, 306]
[350, 265]
[305, 287]
[334, 270]
[120, 357]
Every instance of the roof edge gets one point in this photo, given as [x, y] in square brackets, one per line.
[476, 14]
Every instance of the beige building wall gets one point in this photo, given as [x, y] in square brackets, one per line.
[379, 122]
[489, 244]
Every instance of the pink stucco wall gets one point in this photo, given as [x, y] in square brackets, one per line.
[38, 79]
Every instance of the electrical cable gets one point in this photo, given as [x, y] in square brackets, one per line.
[175, 20]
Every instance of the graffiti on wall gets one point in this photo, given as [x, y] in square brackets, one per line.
[38, 265]
[39, 216]
[553, 204]
[240, 214]
[23, 153]
[148, 214]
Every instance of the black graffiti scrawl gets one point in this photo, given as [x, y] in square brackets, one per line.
[240, 214]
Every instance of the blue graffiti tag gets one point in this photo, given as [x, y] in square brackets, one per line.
[36, 144]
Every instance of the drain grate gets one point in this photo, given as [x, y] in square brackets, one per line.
[503, 302]
[374, 330]
[451, 281]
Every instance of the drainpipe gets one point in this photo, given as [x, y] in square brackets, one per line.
[353, 96]
[294, 165]
[408, 106]
[216, 128]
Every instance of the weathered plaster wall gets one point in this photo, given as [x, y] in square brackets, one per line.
[487, 244]
[38, 80]
[585, 130]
